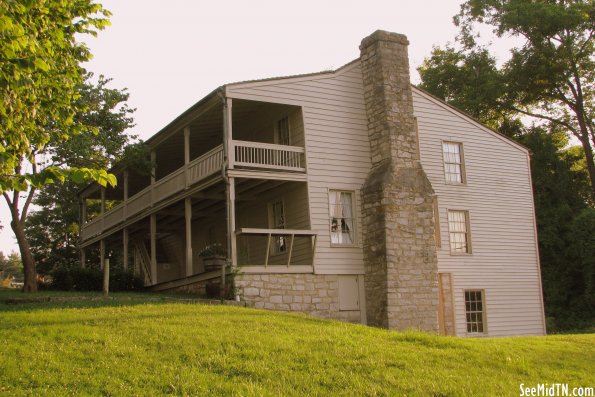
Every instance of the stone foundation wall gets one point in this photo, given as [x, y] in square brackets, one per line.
[314, 294]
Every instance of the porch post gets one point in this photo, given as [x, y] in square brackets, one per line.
[125, 242]
[188, 219]
[153, 171]
[82, 220]
[228, 133]
[102, 210]
[125, 194]
[187, 154]
[101, 253]
[83, 257]
[153, 232]
[231, 228]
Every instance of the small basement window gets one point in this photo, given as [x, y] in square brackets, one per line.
[475, 311]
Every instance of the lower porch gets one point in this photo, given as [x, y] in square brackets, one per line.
[270, 234]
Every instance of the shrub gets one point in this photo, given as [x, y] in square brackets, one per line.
[89, 279]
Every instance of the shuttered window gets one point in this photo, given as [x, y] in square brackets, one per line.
[454, 168]
[458, 229]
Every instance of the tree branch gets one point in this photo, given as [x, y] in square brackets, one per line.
[26, 206]
[544, 117]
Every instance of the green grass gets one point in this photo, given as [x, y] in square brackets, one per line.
[129, 345]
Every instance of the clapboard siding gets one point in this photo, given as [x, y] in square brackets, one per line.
[337, 149]
[252, 250]
[498, 196]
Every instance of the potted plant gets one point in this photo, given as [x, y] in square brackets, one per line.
[214, 257]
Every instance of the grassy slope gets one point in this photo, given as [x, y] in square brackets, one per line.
[127, 347]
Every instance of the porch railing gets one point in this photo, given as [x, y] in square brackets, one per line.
[247, 154]
[270, 234]
[269, 156]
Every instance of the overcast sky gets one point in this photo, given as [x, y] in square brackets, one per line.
[170, 54]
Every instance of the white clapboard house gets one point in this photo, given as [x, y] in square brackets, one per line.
[347, 194]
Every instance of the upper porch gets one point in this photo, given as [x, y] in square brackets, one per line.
[215, 140]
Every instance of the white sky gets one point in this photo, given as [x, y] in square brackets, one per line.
[170, 54]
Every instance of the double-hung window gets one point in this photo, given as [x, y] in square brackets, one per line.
[341, 217]
[454, 167]
[475, 311]
[458, 230]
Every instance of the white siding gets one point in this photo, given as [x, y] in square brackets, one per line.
[497, 193]
[498, 196]
[337, 149]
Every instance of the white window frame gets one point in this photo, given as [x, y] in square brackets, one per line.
[453, 231]
[279, 243]
[446, 163]
[472, 325]
[277, 138]
[332, 216]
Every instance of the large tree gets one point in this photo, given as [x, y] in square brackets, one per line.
[40, 77]
[52, 229]
[551, 76]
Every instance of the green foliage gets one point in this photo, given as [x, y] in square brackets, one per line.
[74, 278]
[11, 266]
[39, 75]
[561, 191]
[52, 229]
[581, 266]
[214, 249]
[469, 81]
[112, 347]
[552, 75]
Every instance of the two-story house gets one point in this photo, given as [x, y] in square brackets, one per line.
[347, 194]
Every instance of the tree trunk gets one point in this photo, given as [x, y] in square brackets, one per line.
[28, 262]
[590, 163]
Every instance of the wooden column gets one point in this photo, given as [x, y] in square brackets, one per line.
[153, 232]
[101, 253]
[125, 242]
[231, 226]
[82, 221]
[228, 147]
[187, 154]
[153, 171]
[188, 219]
[83, 257]
[125, 186]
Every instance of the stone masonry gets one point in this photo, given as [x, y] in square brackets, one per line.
[398, 223]
[314, 294]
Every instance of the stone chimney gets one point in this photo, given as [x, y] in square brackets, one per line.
[398, 221]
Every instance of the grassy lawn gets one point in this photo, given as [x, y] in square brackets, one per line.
[136, 344]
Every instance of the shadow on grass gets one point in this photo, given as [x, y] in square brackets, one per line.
[14, 300]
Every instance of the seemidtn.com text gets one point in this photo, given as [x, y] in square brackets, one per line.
[555, 389]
